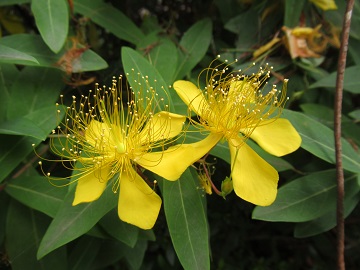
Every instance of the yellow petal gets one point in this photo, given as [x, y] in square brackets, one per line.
[171, 163]
[162, 126]
[277, 138]
[100, 135]
[90, 187]
[191, 95]
[254, 179]
[138, 203]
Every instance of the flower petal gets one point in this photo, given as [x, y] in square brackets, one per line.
[163, 125]
[254, 179]
[138, 203]
[90, 187]
[171, 163]
[101, 135]
[277, 138]
[191, 95]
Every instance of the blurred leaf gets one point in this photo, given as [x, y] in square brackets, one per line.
[351, 82]
[24, 230]
[122, 231]
[111, 251]
[71, 222]
[293, 9]
[22, 126]
[187, 221]
[135, 256]
[319, 140]
[14, 149]
[112, 19]
[9, 55]
[84, 253]
[8, 75]
[325, 222]
[4, 202]
[34, 45]
[355, 114]
[52, 20]
[306, 198]
[13, 2]
[325, 115]
[193, 47]
[38, 193]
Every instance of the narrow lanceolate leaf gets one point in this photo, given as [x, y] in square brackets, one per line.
[112, 19]
[325, 222]
[22, 126]
[36, 192]
[142, 75]
[10, 55]
[186, 219]
[351, 81]
[24, 230]
[293, 10]
[193, 47]
[52, 20]
[306, 198]
[319, 140]
[122, 231]
[73, 221]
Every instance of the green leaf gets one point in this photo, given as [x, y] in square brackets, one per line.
[110, 252]
[13, 149]
[293, 9]
[9, 55]
[8, 75]
[52, 20]
[34, 89]
[142, 75]
[351, 82]
[135, 256]
[355, 114]
[187, 222]
[193, 47]
[22, 126]
[24, 230]
[84, 253]
[13, 2]
[34, 45]
[164, 58]
[71, 222]
[4, 202]
[38, 193]
[306, 198]
[325, 222]
[122, 231]
[319, 140]
[112, 19]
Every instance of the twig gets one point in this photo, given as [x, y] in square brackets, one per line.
[337, 135]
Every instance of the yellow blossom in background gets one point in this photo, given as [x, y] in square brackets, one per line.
[234, 107]
[325, 4]
[112, 133]
[304, 41]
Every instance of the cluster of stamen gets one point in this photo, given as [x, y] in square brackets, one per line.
[236, 103]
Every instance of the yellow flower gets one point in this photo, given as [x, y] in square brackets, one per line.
[115, 136]
[234, 107]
